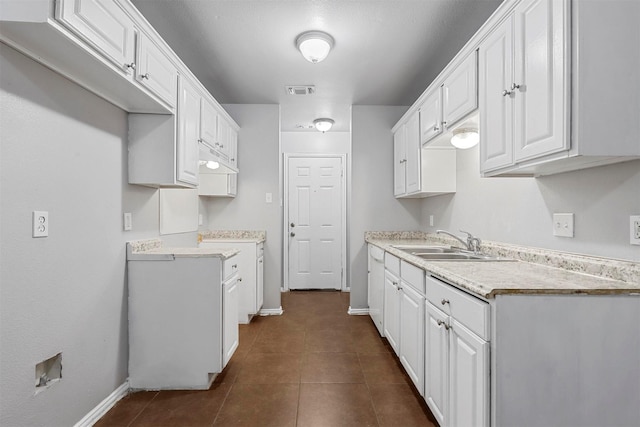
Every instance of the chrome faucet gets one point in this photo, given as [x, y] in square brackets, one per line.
[472, 243]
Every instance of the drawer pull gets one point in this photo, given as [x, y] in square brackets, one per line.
[442, 323]
[444, 301]
[234, 266]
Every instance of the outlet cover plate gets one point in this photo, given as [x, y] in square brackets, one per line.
[40, 224]
[563, 224]
[634, 229]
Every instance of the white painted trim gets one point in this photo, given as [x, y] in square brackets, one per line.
[346, 167]
[103, 407]
[358, 311]
[271, 311]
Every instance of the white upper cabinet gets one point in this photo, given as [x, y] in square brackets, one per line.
[421, 171]
[460, 91]
[431, 116]
[155, 71]
[104, 25]
[188, 133]
[208, 121]
[399, 162]
[544, 107]
[496, 106]
[449, 102]
[524, 85]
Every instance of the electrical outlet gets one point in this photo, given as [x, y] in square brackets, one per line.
[268, 198]
[128, 221]
[634, 229]
[563, 224]
[40, 224]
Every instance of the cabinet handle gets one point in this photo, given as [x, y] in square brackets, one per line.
[239, 279]
[233, 160]
[234, 266]
[444, 124]
[145, 76]
[506, 92]
[260, 262]
[514, 86]
[444, 301]
[221, 146]
[292, 234]
[443, 323]
[436, 128]
[131, 66]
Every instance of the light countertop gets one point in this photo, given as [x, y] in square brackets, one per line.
[153, 249]
[249, 236]
[490, 278]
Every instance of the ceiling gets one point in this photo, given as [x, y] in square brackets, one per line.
[386, 51]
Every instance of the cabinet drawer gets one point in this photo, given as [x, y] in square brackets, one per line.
[466, 309]
[230, 267]
[392, 264]
[412, 276]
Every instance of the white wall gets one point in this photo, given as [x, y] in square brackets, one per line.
[63, 150]
[373, 205]
[258, 161]
[519, 210]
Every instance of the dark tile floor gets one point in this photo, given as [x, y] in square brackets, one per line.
[313, 366]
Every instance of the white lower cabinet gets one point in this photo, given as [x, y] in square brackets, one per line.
[404, 315]
[250, 265]
[456, 357]
[168, 297]
[375, 293]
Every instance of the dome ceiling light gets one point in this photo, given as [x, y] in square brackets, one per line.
[314, 45]
[323, 125]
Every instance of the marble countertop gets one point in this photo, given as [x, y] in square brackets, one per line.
[256, 236]
[153, 249]
[554, 273]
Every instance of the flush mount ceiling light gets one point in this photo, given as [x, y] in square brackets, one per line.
[314, 45]
[323, 125]
[465, 138]
[212, 165]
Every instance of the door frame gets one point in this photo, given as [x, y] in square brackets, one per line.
[343, 214]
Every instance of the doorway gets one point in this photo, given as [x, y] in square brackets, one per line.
[315, 219]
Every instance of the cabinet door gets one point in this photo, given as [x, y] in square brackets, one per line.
[232, 183]
[223, 136]
[391, 311]
[436, 363]
[208, 122]
[496, 106]
[469, 378]
[233, 147]
[104, 25]
[229, 319]
[188, 132]
[413, 147]
[260, 283]
[541, 71]
[431, 116]
[399, 162]
[412, 335]
[460, 91]
[155, 71]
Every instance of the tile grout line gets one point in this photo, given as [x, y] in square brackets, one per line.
[142, 410]
[375, 411]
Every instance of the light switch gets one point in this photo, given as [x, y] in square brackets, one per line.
[40, 224]
[127, 221]
[634, 229]
[563, 224]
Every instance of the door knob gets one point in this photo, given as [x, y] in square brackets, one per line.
[292, 234]
[292, 225]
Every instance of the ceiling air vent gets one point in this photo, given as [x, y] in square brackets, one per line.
[301, 90]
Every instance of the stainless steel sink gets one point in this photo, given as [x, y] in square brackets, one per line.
[446, 253]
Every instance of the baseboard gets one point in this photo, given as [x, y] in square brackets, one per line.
[271, 311]
[358, 311]
[103, 407]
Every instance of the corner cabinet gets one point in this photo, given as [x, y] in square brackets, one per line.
[543, 106]
[420, 172]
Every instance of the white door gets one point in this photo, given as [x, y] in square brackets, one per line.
[540, 68]
[412, 335]
[412, 163]
[437, 363]
[496, 99]
[399, 161]
[314, 222]
[469, 378]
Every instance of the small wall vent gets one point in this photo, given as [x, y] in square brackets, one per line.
[301, 90]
